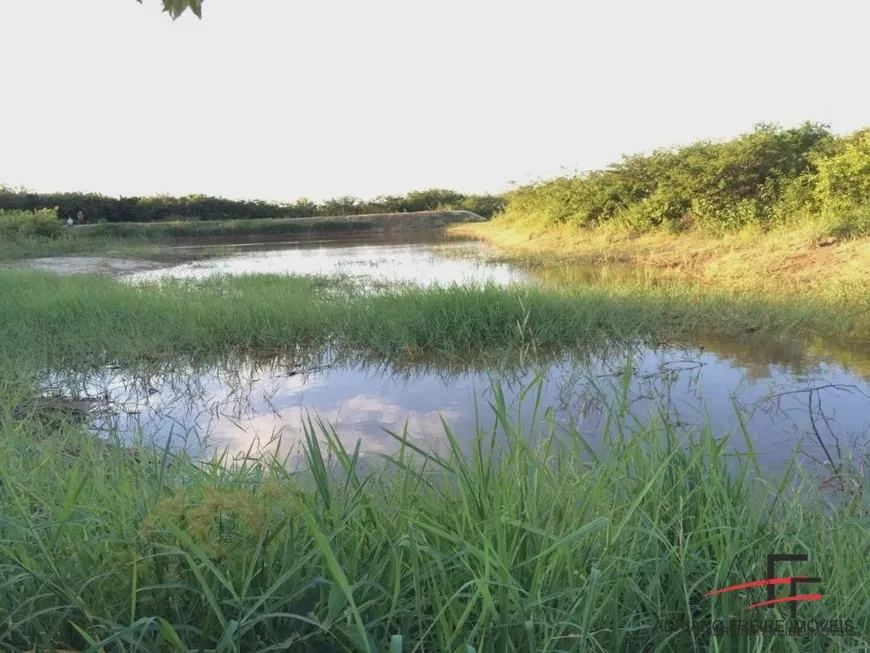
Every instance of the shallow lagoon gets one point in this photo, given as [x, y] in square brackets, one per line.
[793, 397]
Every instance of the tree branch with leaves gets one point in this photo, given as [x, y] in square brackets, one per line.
[177, 7]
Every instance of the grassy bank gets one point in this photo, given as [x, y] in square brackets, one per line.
[774, 211]
[267, 227]
[28, 235]
[550, 549]
[90, 319]
[786, 261]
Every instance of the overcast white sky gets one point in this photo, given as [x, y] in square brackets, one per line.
[277, 99]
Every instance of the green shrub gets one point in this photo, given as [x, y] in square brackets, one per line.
[844, 178]
[849, 222]
[766, 177]
[17, 225]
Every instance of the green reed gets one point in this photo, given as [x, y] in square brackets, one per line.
[531, 538]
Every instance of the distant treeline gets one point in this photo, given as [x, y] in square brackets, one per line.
[770, 176]
[100, 208]
[766, 177]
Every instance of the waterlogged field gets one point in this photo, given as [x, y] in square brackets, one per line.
[783, 405]
[407, 446]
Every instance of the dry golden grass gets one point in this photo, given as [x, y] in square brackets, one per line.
[782, 261]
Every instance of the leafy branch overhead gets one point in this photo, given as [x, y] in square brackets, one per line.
[177, 7]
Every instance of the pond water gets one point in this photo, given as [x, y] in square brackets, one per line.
[428, 258]
[813, 407]
[795, 398]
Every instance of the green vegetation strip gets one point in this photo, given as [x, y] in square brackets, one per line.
[53, 320]
[289, 226]
[25, 234]
[519, 548]
[101, 208]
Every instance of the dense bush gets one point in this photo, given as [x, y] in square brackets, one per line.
[98, 208]
[844, 178]
[16, 225]
[764, 177]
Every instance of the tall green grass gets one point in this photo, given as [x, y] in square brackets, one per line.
[49, 319]
[529, 541]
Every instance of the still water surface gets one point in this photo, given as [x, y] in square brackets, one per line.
[432, 260]
[796, 398]
[248, 406]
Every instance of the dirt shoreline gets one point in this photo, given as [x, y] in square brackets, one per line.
[88, 265]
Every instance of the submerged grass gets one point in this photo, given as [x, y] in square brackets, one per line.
[511, 546]
[50, 319]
